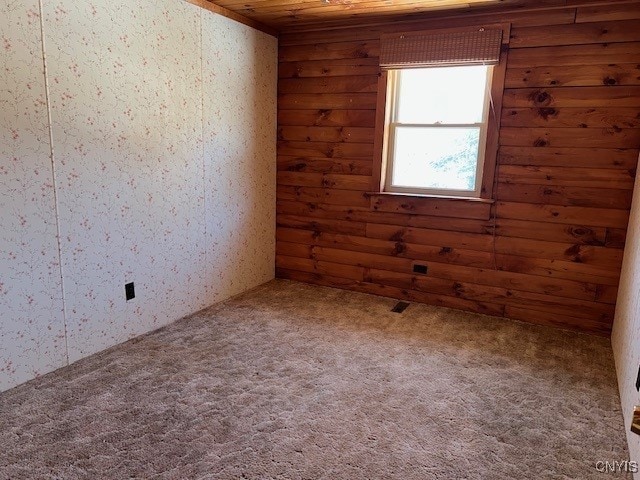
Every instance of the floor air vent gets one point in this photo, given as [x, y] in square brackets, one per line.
[400, 307]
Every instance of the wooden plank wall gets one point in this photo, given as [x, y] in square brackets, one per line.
[549, 249]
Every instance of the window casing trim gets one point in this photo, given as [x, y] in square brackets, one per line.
[393, 85]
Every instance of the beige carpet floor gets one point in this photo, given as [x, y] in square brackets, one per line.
[291, 381]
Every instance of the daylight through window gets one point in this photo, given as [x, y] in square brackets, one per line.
[437, 129]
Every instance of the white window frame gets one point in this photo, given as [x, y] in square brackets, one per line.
[391, 124]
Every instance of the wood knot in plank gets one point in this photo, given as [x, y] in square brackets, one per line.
[580, 231]
[399, 248]
[574, 252]
[540, 97]
[326, 182]
[398, 236]
[322, 115]
[546, 112]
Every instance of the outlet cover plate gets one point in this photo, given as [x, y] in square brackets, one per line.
[130, 291]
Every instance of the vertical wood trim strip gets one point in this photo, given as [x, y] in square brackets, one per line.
[493, 130]
[54, 178]
[377, 176]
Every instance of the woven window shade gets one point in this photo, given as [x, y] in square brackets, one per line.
[411, 50]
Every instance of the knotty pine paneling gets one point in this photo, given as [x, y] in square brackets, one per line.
[548, 249]
[583, 117]
[575, 34]
[576, 76]
[562, 195]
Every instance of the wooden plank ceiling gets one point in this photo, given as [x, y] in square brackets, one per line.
[283, 15]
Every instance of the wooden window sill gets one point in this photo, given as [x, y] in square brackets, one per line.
[434, 197]
[452, 207]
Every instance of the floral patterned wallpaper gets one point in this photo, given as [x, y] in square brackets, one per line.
[625, 337]
[163, 128]
[126, 110]
[239, 105]
[31, 318]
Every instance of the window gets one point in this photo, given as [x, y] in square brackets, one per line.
[437, 130]
[439, 112]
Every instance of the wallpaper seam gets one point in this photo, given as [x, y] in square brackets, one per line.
[54, 180]
[204, 165]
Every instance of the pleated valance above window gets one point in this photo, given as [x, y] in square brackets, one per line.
[474, 46]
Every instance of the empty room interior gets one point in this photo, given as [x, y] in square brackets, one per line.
[319, 239]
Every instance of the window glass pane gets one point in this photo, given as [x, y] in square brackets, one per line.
[442, 95]
[437, 157]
